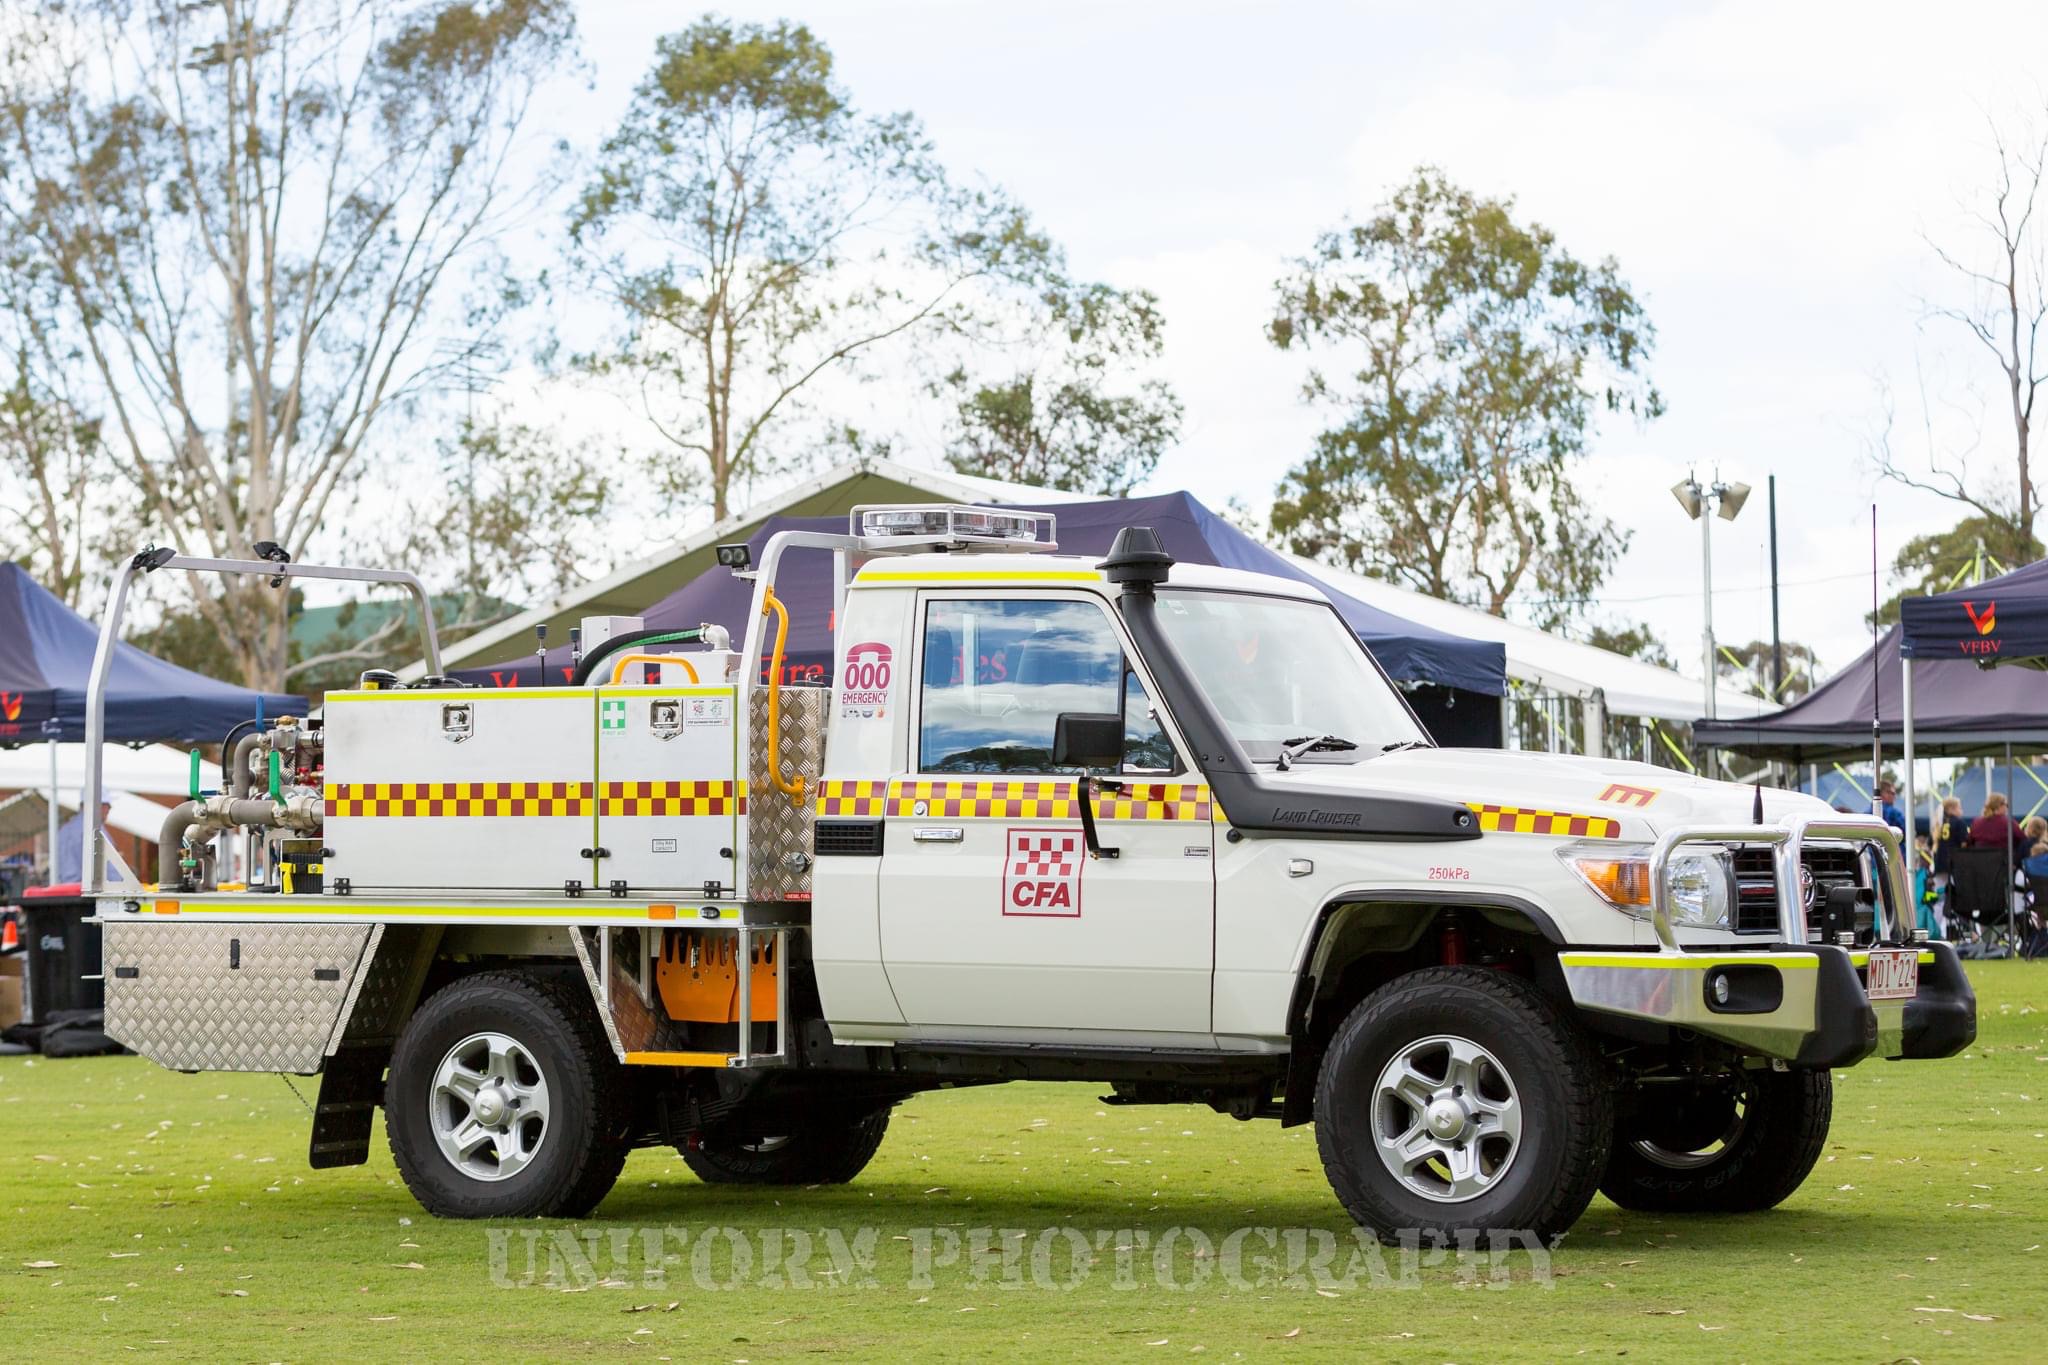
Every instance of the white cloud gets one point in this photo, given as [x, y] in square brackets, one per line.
[1762, 173]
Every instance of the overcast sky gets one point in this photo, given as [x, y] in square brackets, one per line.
[1763, 174]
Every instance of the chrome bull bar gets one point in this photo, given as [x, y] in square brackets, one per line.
[1786, 841]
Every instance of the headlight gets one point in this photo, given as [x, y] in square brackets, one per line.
[1699, 886]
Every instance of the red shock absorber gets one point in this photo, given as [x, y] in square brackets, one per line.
[1451, 942]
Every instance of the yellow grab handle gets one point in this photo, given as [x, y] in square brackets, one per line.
[792, 789]
[619, 669]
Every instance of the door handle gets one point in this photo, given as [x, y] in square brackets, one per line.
[945, 834]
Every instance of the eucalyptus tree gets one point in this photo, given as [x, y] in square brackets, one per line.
[1464, 356]
[262, 221]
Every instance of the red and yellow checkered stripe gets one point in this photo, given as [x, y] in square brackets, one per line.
[673, 798]
[1515, 820]
[853, 798]
[1029, 799]
[458, 798]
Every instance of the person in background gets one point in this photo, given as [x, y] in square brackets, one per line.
[1924, 893]
[1995, 827]
[1949, 835]
[1888, 805]
[2035, 936]
[2035, 832]
[70, 865]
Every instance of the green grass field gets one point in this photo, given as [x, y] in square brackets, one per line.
[175, 1214]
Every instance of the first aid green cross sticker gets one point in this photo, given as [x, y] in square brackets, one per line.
[611, 715]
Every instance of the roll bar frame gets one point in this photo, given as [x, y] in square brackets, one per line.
[93, 874]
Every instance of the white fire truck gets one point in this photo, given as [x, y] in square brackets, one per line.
[1160, 828]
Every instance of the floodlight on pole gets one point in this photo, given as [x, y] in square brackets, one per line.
[1688, 494]
[1725, 500]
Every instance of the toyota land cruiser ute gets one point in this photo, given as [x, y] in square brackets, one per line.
[1164, 829]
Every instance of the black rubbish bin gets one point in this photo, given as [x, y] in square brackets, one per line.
[62, 951]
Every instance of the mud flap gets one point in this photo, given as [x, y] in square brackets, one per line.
[352, 1083]
[349, 1090]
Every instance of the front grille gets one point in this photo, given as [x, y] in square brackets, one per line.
[1756, 891]
[1756, 902]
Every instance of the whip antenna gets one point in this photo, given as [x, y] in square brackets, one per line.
[1876, 680]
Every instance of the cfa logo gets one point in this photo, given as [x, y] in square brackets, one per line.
[10, 704]
[1621, 794]
[1042, 873]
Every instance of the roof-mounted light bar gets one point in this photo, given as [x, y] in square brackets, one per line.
[962, 527]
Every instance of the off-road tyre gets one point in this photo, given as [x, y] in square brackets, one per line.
[583, 1147]
[1776, 1141]
[831, 1150]
[1565, 1101]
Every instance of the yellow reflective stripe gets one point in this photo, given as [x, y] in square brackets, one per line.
[678, 1059]
[978, 576]
[645, 689]
[1862, 959]
[465, 694]
[597, 908]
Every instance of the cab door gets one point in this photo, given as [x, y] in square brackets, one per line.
[995, 921]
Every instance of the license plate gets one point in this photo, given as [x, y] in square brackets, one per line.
[1894, 973]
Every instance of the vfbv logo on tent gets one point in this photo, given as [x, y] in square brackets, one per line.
[1985, 621]
[10, 704]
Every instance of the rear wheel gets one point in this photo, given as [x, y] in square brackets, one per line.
[1456, 1099]
[1734, 1143]
[828, 1150]
[504, 1102]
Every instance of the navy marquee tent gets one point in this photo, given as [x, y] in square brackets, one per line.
[2001, 620]
[46, 654]
[1960, 710]
[1191, 532]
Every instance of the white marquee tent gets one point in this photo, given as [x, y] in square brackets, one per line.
[154, 770]
[1608, 683]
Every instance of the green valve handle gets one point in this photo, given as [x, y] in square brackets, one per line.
[194, 780]
[276, 777]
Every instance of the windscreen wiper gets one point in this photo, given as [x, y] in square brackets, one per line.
[1406, 744]
[1291, 749]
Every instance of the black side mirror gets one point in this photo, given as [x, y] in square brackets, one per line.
[1082, 739]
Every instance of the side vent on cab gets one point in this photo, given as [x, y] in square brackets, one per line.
[847, 839]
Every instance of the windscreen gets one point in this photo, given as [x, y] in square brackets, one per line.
[1282, 671]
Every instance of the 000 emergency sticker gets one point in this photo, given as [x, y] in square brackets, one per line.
[1042, 873]
[864, 680]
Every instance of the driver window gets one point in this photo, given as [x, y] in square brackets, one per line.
[997, 674]
[1146, 747]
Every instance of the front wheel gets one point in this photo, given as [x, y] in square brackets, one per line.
[504, 1101]
[1734, 1143]
[829, 1149]
[1456, 1099]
